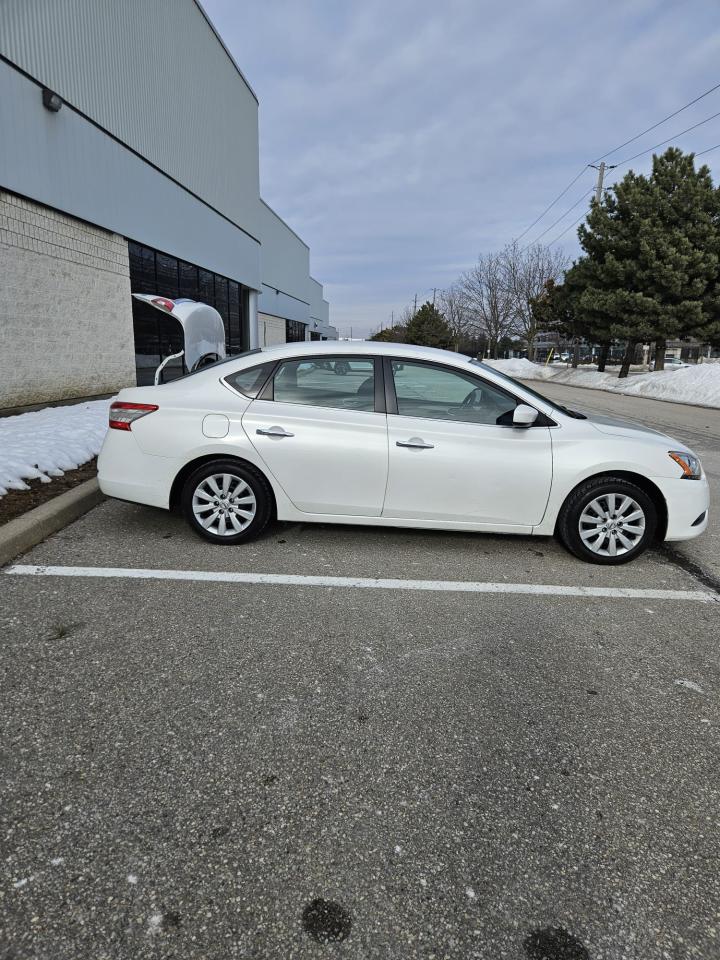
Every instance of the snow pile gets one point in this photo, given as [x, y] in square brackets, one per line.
[697, 384]
[46, 443]
[522, 369]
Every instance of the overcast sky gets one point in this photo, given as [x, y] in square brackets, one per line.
[400, 138]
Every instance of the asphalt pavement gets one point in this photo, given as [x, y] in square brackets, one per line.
[205, 769]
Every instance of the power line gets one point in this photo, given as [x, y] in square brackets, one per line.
[562, 233]
[584, 196]
[662, 143]
[551, 205]
[659, 123]
[709, 149]
[624, 144]
[581, 217]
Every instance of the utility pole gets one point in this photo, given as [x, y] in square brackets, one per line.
[415, 307]
[434, 290]
[601, 176]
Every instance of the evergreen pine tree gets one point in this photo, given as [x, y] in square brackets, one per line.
[428, 328]
[652, 259]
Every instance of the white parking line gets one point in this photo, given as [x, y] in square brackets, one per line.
[362, 583]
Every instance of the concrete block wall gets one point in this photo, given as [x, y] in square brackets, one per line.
[65, 308]
[271, 330]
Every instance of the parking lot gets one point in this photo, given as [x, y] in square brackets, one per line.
[508, 754]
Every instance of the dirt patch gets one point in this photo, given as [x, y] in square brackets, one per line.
[17, 502]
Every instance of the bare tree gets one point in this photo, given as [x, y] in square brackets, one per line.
[526, 271]
[452, 304]
[487, 300]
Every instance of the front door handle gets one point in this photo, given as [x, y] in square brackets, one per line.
[273, 432]
[415, 443]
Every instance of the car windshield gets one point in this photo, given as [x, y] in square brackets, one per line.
[556, 406]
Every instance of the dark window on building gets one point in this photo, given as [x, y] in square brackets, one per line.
[294, 331]
[166, 274]
[221, 305]
[206, 286]
[155, 272]
[188, 280]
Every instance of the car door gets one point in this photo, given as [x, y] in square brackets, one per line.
[319, 425]
[453, 453]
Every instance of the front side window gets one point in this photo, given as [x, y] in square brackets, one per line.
[327, 382]
[437, 393]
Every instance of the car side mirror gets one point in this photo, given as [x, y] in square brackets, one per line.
[524, 415]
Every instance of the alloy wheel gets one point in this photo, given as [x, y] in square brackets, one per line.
[224, 504]
[612, 524]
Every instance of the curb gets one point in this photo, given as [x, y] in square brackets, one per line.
[21, 534]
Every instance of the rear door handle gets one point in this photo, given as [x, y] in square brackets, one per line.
[415, 443]
[273, 432]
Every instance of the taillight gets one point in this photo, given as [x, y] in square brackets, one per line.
[163, 303]
[123, 415]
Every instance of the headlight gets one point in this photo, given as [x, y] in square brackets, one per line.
[688, 462]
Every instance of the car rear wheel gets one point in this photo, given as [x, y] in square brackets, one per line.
[607, 520]
[227, 502]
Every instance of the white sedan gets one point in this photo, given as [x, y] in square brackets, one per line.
[397, 436]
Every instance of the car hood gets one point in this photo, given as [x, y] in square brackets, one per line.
[618, 427]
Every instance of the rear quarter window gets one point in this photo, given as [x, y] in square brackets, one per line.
[251, 380]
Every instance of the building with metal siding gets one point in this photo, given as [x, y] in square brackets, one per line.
[154, 149]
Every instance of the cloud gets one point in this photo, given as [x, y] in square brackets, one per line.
[401, 138]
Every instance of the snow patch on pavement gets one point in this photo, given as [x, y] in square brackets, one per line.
[696, 384]
[45, 443]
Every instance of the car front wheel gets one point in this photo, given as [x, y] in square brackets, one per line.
[607, 520]
[227, 502]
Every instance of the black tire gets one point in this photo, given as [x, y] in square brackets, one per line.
[568, 525]
[258, 485]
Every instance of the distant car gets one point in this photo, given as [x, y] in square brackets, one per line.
[406, 437]
[672, 363]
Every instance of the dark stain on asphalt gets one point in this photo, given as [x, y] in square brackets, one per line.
[554, 943]
[363, 717]
[217, 832]
[282, 541]
[326, 921]
[171, 920]
[591, 693]
[269, 778]
[62, 630]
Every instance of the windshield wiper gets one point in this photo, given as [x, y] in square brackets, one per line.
[575, 414]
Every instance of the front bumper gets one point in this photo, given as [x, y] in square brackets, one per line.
[686, 500]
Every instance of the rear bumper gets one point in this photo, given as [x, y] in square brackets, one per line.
[687, 501]
[125, 472]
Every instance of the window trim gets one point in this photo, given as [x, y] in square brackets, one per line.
[268, 390]
[391, 395]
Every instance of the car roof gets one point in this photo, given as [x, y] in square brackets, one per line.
[363, 348]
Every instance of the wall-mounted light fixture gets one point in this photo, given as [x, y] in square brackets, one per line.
[51, 101]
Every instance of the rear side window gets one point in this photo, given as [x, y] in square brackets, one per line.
[251, 380]
[345, 382]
